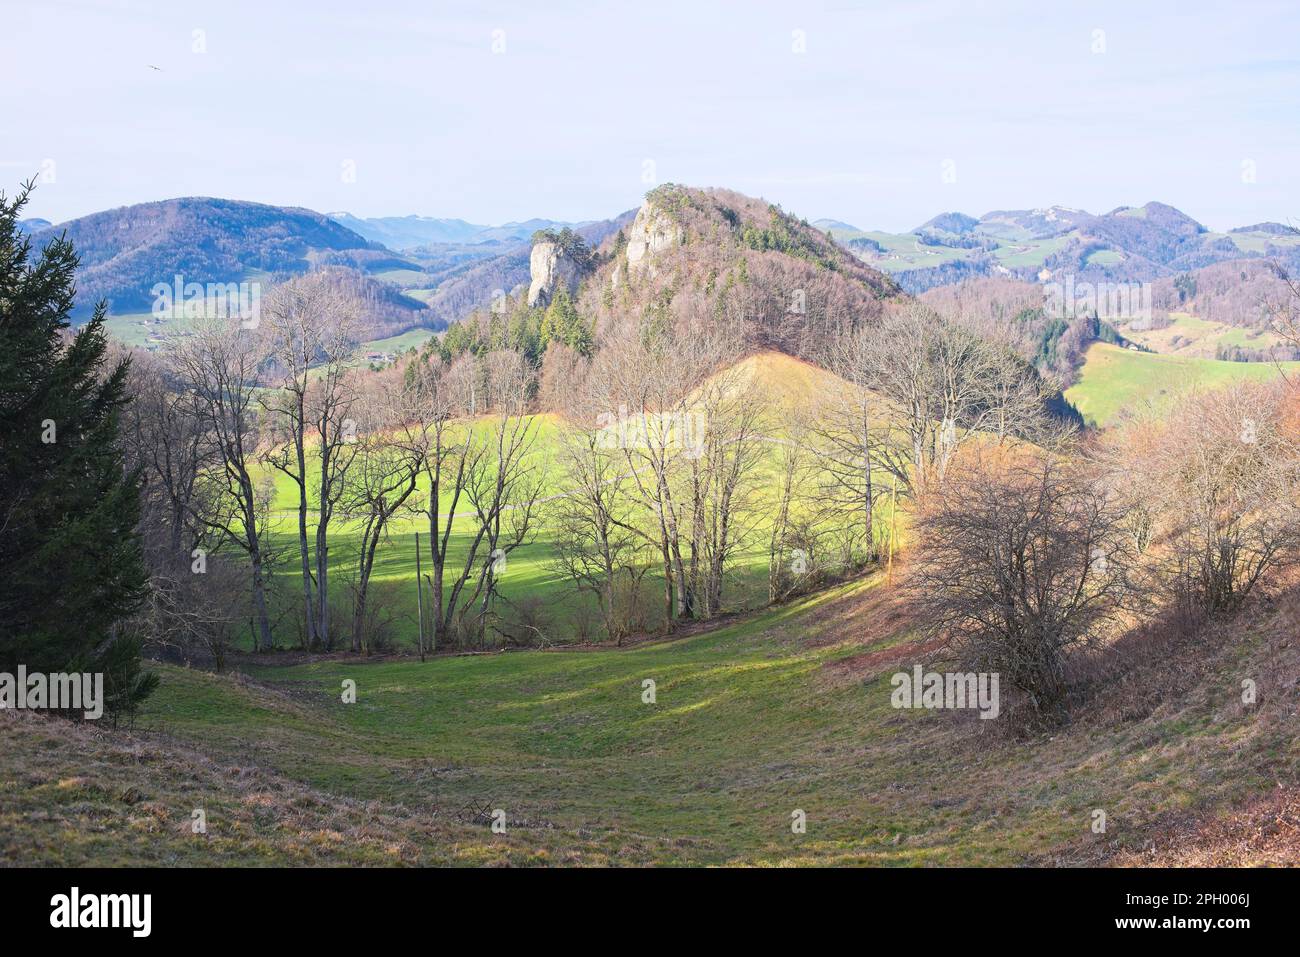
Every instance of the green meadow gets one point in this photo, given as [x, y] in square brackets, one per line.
[1193, 337]
[400, 343]
[1114, 379]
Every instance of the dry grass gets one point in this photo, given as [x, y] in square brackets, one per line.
[73, 795]
[1263, 832]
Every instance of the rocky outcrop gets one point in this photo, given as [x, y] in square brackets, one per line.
[652, 231]
[550, 264]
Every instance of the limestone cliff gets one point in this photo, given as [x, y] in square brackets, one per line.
[554, 261]
[652, 231]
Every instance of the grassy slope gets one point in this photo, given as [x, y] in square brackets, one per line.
[135, 329]
[398, 344]
[1113, 379]
[1193, 337]
[788, 710]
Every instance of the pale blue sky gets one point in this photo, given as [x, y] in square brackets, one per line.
[562, 122]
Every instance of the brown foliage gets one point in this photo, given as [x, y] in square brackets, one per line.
[1211, 490]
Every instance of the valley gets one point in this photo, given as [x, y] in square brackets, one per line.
[788, 710]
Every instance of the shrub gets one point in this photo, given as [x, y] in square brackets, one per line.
[1021, 562]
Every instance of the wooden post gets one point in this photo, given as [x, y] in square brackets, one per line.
[433, 639]
[419, 597]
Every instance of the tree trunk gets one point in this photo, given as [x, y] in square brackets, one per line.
[303, 551]
[307, 598]
[262, 637]
[322, 585]
[435, 579]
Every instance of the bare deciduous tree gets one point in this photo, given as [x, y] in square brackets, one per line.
[1022, 560]
[650, 374]
[168, 442]
[854, 442]
[391, 449]
[503, 489]
[785, 569]
[720, 487]
[478, 471]
[1217, 480]
[1283, 310]
[944, 385]
[193, 601]
[597, 541]
[217, 364]
[312, 327]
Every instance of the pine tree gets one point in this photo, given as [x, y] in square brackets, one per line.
[578, 336]
[525, 327]
[71, 565]
[560, 316]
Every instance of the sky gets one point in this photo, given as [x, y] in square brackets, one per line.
[879, 114]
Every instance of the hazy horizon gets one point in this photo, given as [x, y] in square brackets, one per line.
[512, 113]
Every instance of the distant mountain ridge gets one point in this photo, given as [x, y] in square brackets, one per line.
[1127, 244]
[1271, 229]
[414, 232]
[125, 252]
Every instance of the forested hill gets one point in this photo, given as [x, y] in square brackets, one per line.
[125, 251]
[696, 254]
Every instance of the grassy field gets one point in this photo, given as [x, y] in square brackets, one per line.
[1104, 257]
[1114, 379]
[398, 344]
[1258, 242]
[403, 277]
[788, 711]
[1029, 252]
[138, 329]
[1193, 337]
[903, 251]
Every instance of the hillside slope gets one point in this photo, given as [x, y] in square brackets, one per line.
[753, 721]
[1114, 379]
[786, 384]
